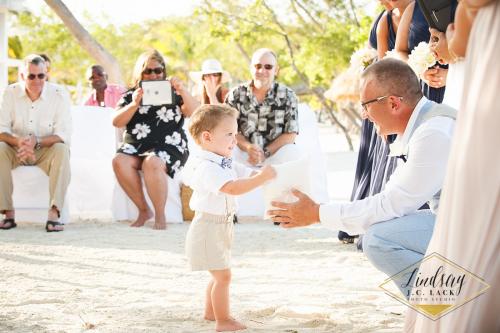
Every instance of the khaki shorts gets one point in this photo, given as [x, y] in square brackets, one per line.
[208, 242]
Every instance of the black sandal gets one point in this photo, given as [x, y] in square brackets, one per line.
[53, 224]
[12, 224]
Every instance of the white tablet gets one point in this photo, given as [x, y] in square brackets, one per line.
[157, 93]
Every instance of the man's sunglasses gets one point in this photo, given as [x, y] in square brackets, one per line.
[149, 71]
[40, 76]
[266, 66]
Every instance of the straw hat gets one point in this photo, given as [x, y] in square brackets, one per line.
[210, 66]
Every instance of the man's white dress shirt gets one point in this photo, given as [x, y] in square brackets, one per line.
[50, 114]
[411, 185]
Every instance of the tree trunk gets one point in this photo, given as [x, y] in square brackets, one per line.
[87, 42]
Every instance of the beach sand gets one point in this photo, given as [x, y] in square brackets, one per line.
[107, 277]
[103, 276]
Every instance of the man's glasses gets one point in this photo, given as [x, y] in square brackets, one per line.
[364, 105]
[266, 66]
[40, 76]
[149, 71]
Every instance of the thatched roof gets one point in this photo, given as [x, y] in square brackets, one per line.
[345, 86]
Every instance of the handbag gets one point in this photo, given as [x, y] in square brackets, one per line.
[437, 13]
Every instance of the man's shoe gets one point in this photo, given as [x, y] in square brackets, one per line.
[8, 224]
[345, 238]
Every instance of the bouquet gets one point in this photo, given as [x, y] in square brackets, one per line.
[392, 54]
[421, 58]
[362, 58]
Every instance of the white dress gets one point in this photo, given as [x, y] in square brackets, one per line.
[454, 84]
[467, 229]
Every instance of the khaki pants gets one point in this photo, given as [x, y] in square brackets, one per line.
[54, 161]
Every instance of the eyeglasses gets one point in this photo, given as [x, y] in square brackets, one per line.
[40, 76]
[149, 71]
[364, 105]
[266, 66]
[212, 74]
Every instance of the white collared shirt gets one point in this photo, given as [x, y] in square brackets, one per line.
[205, 175]
[50, 114]
[411, 185]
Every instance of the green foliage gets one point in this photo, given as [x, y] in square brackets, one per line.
[321, 39]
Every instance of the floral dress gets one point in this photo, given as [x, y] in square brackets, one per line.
[156, 130]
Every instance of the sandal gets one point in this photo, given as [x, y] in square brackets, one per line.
[12, 224]
[53, 224]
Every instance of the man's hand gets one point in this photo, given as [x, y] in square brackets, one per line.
[25, 149]
[300, 213]
[255, 154]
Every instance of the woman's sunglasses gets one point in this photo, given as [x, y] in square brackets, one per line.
[40, 76]
[211, 74]
[149, 71]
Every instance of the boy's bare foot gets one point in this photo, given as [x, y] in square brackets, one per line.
[160, 223]
[212, 317]
[229, 325]
[142, 218]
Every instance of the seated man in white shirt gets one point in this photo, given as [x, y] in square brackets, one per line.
[35, 128]
[396, 232]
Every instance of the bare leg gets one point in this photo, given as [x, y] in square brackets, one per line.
[127, 173]
[157, 186]
[209, 310]
[220, 302]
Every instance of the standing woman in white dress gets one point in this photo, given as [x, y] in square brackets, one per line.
[467, 230]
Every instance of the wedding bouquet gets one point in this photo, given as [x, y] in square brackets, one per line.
[392, 54]
[421, 58]
[362, 58]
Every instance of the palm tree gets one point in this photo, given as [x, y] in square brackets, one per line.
[88, 43]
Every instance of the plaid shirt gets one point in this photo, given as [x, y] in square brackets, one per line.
[262, 123]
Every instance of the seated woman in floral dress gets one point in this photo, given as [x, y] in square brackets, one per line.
[154, 140]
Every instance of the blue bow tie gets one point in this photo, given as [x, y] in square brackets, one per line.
[226, 163]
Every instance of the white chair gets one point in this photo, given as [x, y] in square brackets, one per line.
[124, 208]
[92, 150]
[31, 195]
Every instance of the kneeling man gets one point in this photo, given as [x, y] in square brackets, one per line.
[396, 232]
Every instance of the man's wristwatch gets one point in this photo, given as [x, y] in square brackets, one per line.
[38, 143]
[267, 153]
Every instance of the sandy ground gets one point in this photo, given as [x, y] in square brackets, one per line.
[112, 278]
[100, 276]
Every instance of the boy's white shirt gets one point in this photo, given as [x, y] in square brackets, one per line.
[204, 174]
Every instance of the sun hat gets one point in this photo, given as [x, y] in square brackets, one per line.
[210, 66]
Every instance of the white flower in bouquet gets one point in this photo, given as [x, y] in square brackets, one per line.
[392, 54]
[362, 58]
[421, 58]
